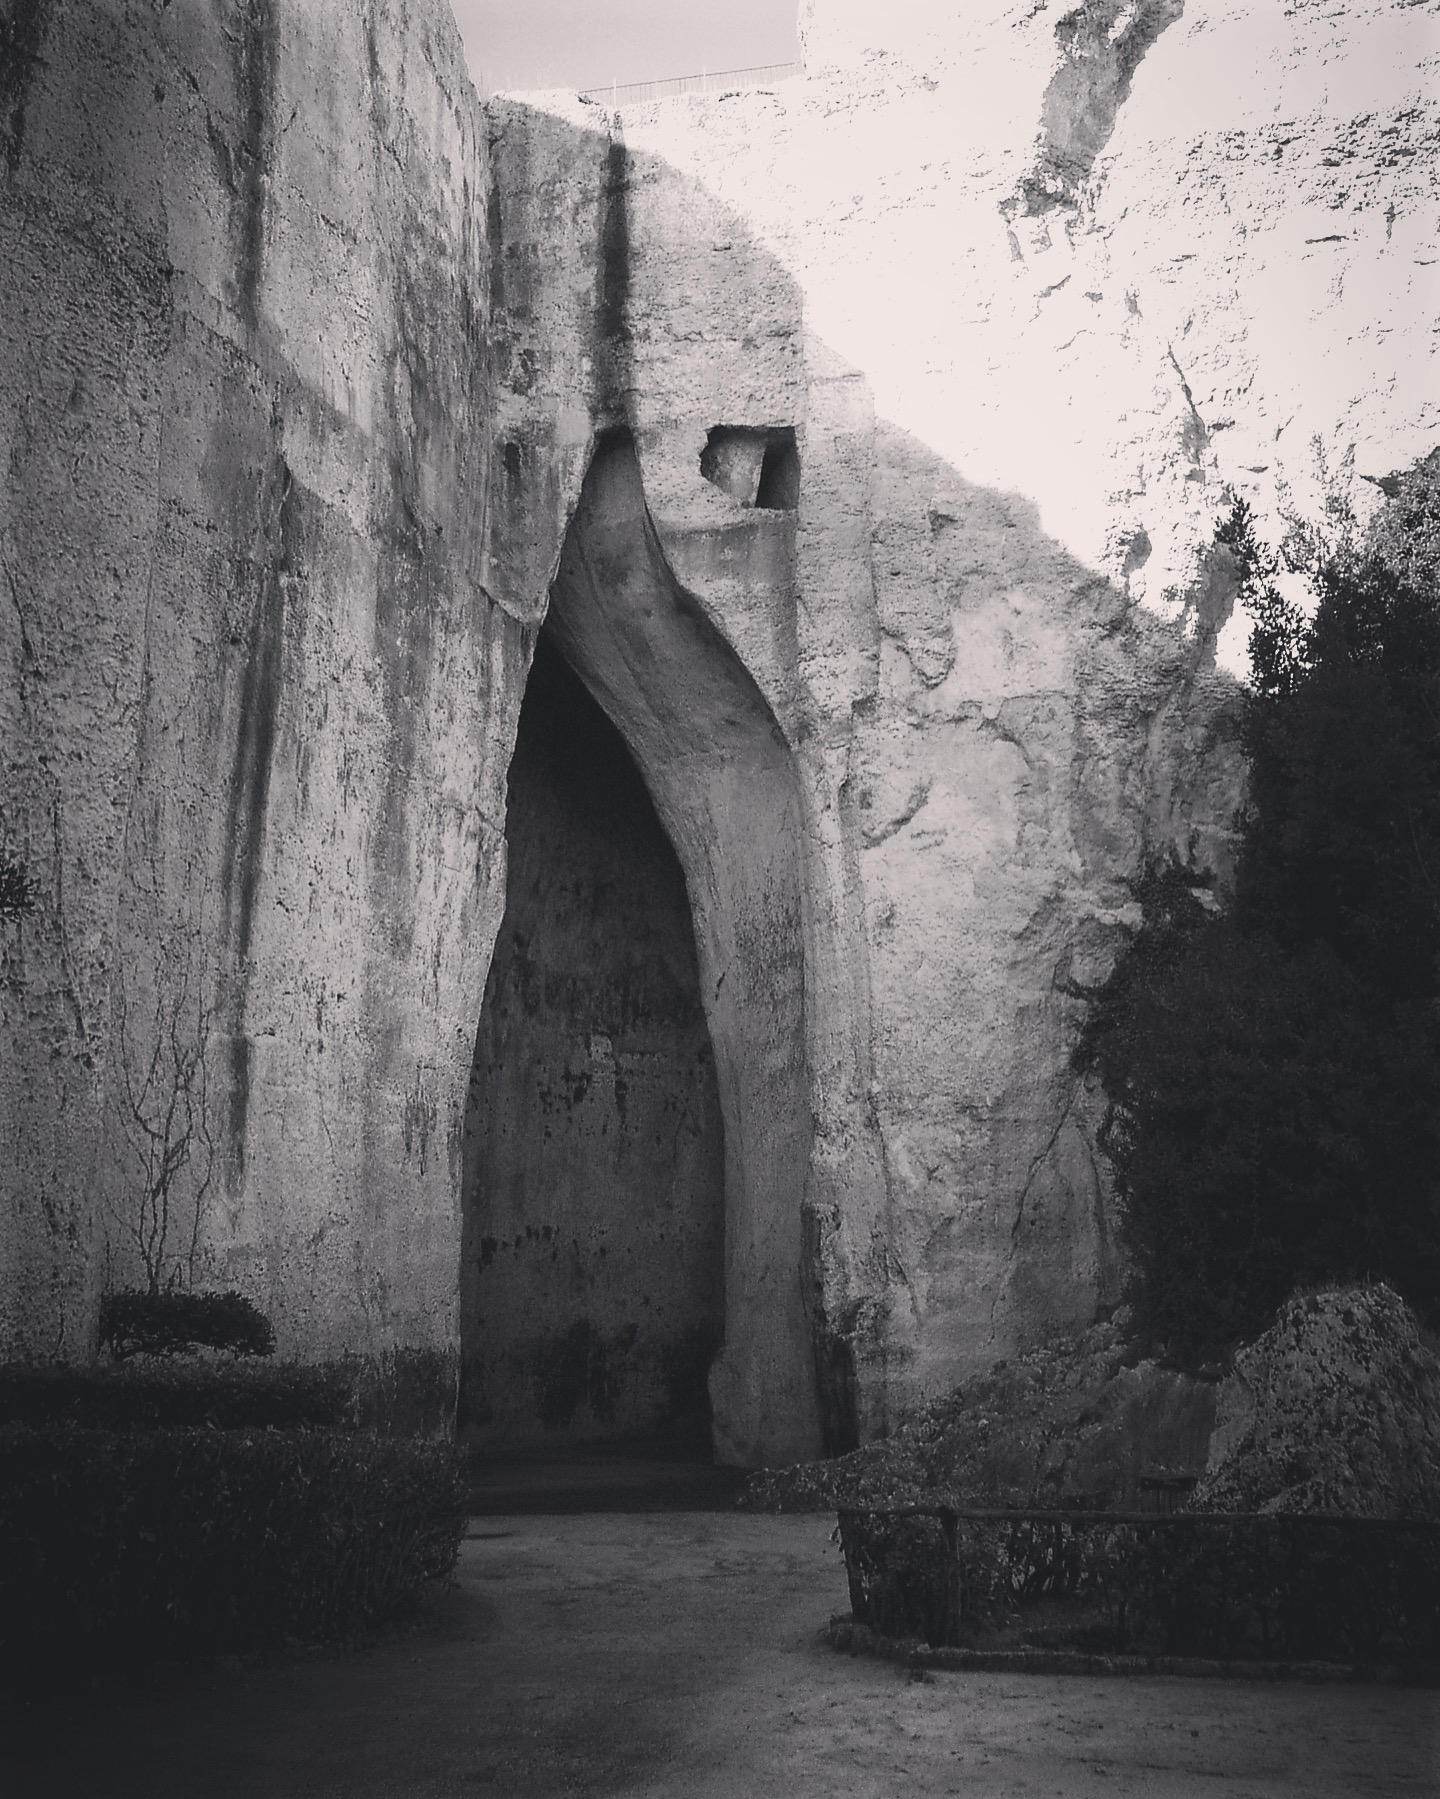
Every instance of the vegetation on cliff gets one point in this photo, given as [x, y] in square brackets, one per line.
[1274, 1067]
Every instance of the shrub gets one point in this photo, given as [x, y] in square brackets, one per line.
[227, 1396]
[1251, 1586]
[181, 1541]
[1274, 1071]
[167, 1323]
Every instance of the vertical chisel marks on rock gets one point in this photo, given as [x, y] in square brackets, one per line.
[1102, 43]
[261, 687]
[22, 31]
[255, 53]
[612, 324]
[411, 593]
[832, 1339]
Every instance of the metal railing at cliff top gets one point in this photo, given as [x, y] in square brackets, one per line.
[636, 93]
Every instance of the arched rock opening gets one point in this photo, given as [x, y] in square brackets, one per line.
[724, 787]
[592, 1284]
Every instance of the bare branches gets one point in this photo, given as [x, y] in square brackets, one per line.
[163, 1106]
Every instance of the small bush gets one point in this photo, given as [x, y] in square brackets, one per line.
[227, 1396]
[170, 1323]
[903, 1575]
[173, 1542]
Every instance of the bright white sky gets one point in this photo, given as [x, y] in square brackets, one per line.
[590, 43]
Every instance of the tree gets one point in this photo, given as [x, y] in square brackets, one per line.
[1274, 1069]
[164, 1115]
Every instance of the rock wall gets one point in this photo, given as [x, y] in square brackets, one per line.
[864, 440]
[1144, 248]
[1035, 293]
[258, 703]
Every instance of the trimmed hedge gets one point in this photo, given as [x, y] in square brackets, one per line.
[171, 1323]
[1256, 1586]
[183, 1541]
[229, 1396]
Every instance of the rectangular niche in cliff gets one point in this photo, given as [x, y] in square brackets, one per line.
[757, 466]
[592, 1283]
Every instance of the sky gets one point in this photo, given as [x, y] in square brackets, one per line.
[590, 43]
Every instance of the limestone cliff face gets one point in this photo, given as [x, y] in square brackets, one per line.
[257, 703]
[1034, 290]
[861, 442]
[1149, 246]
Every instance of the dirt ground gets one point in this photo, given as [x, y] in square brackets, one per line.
[678, 1655]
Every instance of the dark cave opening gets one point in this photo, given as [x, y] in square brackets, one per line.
[779, 486]
[757, 466]
[593, 1235]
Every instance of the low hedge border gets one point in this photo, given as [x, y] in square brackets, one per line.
[1229, 1587]
[176, 1542]
[173, 1394]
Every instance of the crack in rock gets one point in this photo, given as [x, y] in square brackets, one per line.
[1102, 43]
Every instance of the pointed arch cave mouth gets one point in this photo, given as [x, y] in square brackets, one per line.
[594, 1206]
[638, 1126]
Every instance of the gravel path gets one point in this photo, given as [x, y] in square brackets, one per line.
[678, 1655]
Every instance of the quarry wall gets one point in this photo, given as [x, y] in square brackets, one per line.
[258, 703]
[863, 441]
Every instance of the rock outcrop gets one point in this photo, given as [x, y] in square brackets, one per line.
[1079, 1422]
[258, 704]
[1336, 1408]
[862, 443]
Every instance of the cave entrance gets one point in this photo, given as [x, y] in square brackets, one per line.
[608, 990]
[593, 1292]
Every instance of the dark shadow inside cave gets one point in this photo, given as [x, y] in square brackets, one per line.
[592, 1277]
[778, 489]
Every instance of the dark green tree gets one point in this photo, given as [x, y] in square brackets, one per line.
[1274, 1069]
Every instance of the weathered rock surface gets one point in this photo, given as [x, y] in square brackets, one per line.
[1035, 292]
[1078, 1422]
[305, 359]
[1141, 248]
[257, 709]
[1335, 1409]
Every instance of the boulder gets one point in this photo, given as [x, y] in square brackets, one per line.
[1082, 1422]
[1335, 1409]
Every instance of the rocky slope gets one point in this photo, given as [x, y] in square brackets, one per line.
[1080, 1422]
[1336, 1408]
